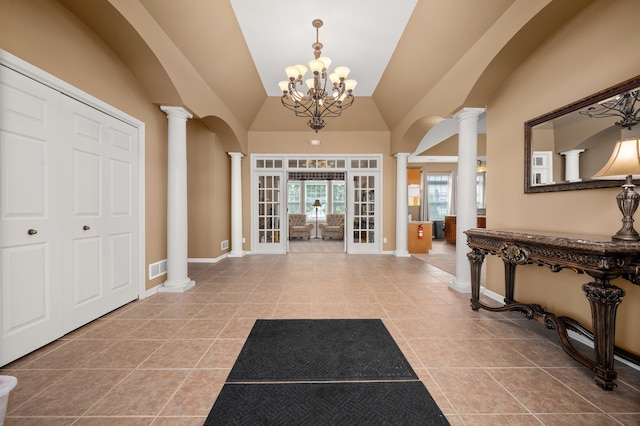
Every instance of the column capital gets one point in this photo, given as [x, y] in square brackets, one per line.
[571, 152]
[467, 113]
[235, 154]
[179, 112]
[401, 155]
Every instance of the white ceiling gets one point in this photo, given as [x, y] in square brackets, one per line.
[359, 34]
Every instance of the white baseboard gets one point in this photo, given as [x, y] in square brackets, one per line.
[208, 259]
[572, 334]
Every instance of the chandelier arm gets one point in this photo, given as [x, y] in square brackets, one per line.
[324, 98]
[334, 109]
[300, 109]
[622, 106]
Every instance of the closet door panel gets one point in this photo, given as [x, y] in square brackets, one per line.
[102, 216]
[120, 266]
[83, 219]
[122, 211]
[87, 271]
[30, 216]
[86, 185]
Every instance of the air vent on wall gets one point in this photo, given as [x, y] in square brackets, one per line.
[157, 269]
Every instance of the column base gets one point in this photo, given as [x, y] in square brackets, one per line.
[234, 254]
[402, 254]
[176, 288]
[460, 287]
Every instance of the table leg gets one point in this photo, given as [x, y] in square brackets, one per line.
[509, 281]
[604, 299]
[476, 258]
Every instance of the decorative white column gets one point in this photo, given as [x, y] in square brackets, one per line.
[177, 240]
[402, 205]
[466, 211]
[572, 165]
[236, 205]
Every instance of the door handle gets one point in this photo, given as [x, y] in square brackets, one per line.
[86, 227]
[32, 232]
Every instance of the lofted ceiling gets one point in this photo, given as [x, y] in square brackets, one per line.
[359, 34]
[224, 58]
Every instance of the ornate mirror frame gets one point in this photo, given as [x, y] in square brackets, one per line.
[529, 187]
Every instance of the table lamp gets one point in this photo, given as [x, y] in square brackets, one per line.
[624, 164]
[317, 204]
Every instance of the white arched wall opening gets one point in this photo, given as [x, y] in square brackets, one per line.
[468, 123]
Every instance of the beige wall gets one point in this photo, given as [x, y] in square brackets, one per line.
[208, 194]
[584, 57]
[45, 34]
[330, 143]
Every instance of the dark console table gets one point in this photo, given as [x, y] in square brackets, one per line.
[597, 257]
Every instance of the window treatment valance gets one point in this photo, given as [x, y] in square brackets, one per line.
[316, 175]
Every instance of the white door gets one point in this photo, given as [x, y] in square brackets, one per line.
[269, 235]
[364, 226]
[31, 302]
[69, 197]
[100, 181]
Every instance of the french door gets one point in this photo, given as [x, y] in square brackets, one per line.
[363, 231]
[269, 235]
[361, 204]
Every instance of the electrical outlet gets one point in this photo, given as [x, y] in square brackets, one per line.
[384, 240]
[244, 240]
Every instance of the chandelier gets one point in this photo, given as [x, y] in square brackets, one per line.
[623, 106]
[319, 101]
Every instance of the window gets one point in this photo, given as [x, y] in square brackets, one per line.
[332, 196]
[437, 196]
[480, 191]
[294, 194]
[338, 197]
[315, 190]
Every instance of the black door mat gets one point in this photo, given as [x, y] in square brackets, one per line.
[352, 403]
[320, 350]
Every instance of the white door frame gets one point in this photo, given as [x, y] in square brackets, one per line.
[365, 163]
[43, 77]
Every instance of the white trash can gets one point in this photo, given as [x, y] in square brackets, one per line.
[6, 384]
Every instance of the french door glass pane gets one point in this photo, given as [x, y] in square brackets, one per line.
[364, 209]
[269, 209]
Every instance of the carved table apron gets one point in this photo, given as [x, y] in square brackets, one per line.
[597, 257]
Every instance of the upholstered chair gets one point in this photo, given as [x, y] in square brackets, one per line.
[298, 226]
[334, 228]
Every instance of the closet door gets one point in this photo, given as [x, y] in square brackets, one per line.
[100, 181]
[69, 231]
[31, 257]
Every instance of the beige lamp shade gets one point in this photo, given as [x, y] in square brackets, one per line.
[316, 203]
[624, 161]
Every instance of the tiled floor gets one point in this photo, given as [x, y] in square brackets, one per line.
[162, 361]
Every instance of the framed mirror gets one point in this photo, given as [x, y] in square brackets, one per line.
[565, 147]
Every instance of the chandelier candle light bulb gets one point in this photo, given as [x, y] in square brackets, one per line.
[320, 101]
